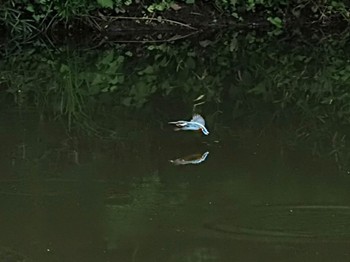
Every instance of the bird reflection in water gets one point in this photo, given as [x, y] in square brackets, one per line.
[193, 159]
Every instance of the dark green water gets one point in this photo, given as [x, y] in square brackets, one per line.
[254, 198]
[91, 171]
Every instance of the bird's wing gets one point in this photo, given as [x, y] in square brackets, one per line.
[178, 123]
[198, 119]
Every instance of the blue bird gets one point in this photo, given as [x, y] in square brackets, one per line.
[196, 123]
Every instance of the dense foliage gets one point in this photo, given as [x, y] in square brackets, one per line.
[23, 19]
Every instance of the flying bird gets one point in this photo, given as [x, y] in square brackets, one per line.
[196, 123]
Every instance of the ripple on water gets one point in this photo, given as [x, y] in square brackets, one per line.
[288, 223]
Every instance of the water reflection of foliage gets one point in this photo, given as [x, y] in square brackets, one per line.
[244, 77]
[243, 71]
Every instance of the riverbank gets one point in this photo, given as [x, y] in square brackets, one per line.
[127, 18]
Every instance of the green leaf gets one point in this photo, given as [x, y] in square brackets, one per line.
[120, 59]
[97, 80]
[150, 8]
[160, 7]
[37, 18]
[64, 68]
[30, 8]
[128, 53]
[115, 80]
[105, 3]
[190, 1]
[128, 2]
[148, 70]
[108, 58]
[113, 88]
[205, 43]
[276, 21]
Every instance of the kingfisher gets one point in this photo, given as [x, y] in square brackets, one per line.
[196, 123]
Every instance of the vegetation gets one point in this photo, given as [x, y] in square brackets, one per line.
[24, 19]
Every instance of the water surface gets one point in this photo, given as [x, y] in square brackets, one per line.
[91, 171]
[84, 199]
